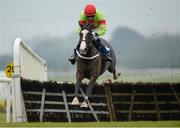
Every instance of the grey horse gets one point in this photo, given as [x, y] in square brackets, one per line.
[91, 64]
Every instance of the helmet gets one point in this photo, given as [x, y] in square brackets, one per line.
[90, 10]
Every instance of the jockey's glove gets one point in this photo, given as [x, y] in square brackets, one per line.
[95, 35]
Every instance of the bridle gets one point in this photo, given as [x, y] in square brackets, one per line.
[87, 58]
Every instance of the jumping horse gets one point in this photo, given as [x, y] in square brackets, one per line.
[91, 63]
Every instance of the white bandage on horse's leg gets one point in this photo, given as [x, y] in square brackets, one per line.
[75, 101]
[84, 105]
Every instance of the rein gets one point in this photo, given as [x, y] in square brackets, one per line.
[86, 58]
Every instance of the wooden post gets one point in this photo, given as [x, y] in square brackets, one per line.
[131, 105]
[175, 94]
[42, 105]
[110, 103]
[156, 103]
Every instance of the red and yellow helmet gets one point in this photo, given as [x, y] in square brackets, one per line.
[90, 10]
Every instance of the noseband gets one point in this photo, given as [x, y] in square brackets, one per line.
[86, 58]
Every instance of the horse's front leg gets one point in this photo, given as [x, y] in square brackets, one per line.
[79, 78]
[89, 90]
[75, 100]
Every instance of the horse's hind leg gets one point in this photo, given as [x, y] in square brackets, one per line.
[112, 69]
[115, 76]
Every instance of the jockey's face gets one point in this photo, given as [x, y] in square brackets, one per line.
[90, 17]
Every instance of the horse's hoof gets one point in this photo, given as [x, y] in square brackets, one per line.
[119, 74]
[84, 105]
[114, 77]
[75, 101]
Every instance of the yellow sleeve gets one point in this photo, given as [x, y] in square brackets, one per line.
[102, 30]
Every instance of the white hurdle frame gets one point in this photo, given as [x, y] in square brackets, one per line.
[19, 112]
[8, 82]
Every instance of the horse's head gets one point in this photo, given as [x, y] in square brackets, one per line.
[86, 38]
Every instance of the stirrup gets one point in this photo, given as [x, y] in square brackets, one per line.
[72, 60]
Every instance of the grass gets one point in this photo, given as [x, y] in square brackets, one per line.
[92, 124]
[2, 118]
[155, 78]
[171, 78]
[100, 124]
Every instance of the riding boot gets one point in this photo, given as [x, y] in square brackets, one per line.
[104, 50]
[72, 59]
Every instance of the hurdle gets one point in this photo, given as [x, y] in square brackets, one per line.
[51, 101]
[27, 65]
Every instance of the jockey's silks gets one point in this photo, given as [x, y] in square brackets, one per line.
[98, 22]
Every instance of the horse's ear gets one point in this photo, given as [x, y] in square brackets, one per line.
[80, 24]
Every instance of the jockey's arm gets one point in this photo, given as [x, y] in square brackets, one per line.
[101, 23]
[102, 30]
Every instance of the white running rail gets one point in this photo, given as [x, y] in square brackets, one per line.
[28, 65]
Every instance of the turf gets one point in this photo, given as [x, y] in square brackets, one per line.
[99, 124]
[156, 78]
[92, 124]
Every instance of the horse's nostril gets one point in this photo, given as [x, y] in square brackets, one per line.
[81, 51]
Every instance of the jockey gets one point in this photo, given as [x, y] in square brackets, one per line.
[97, 22]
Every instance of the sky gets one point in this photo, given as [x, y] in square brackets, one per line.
[58, 18]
